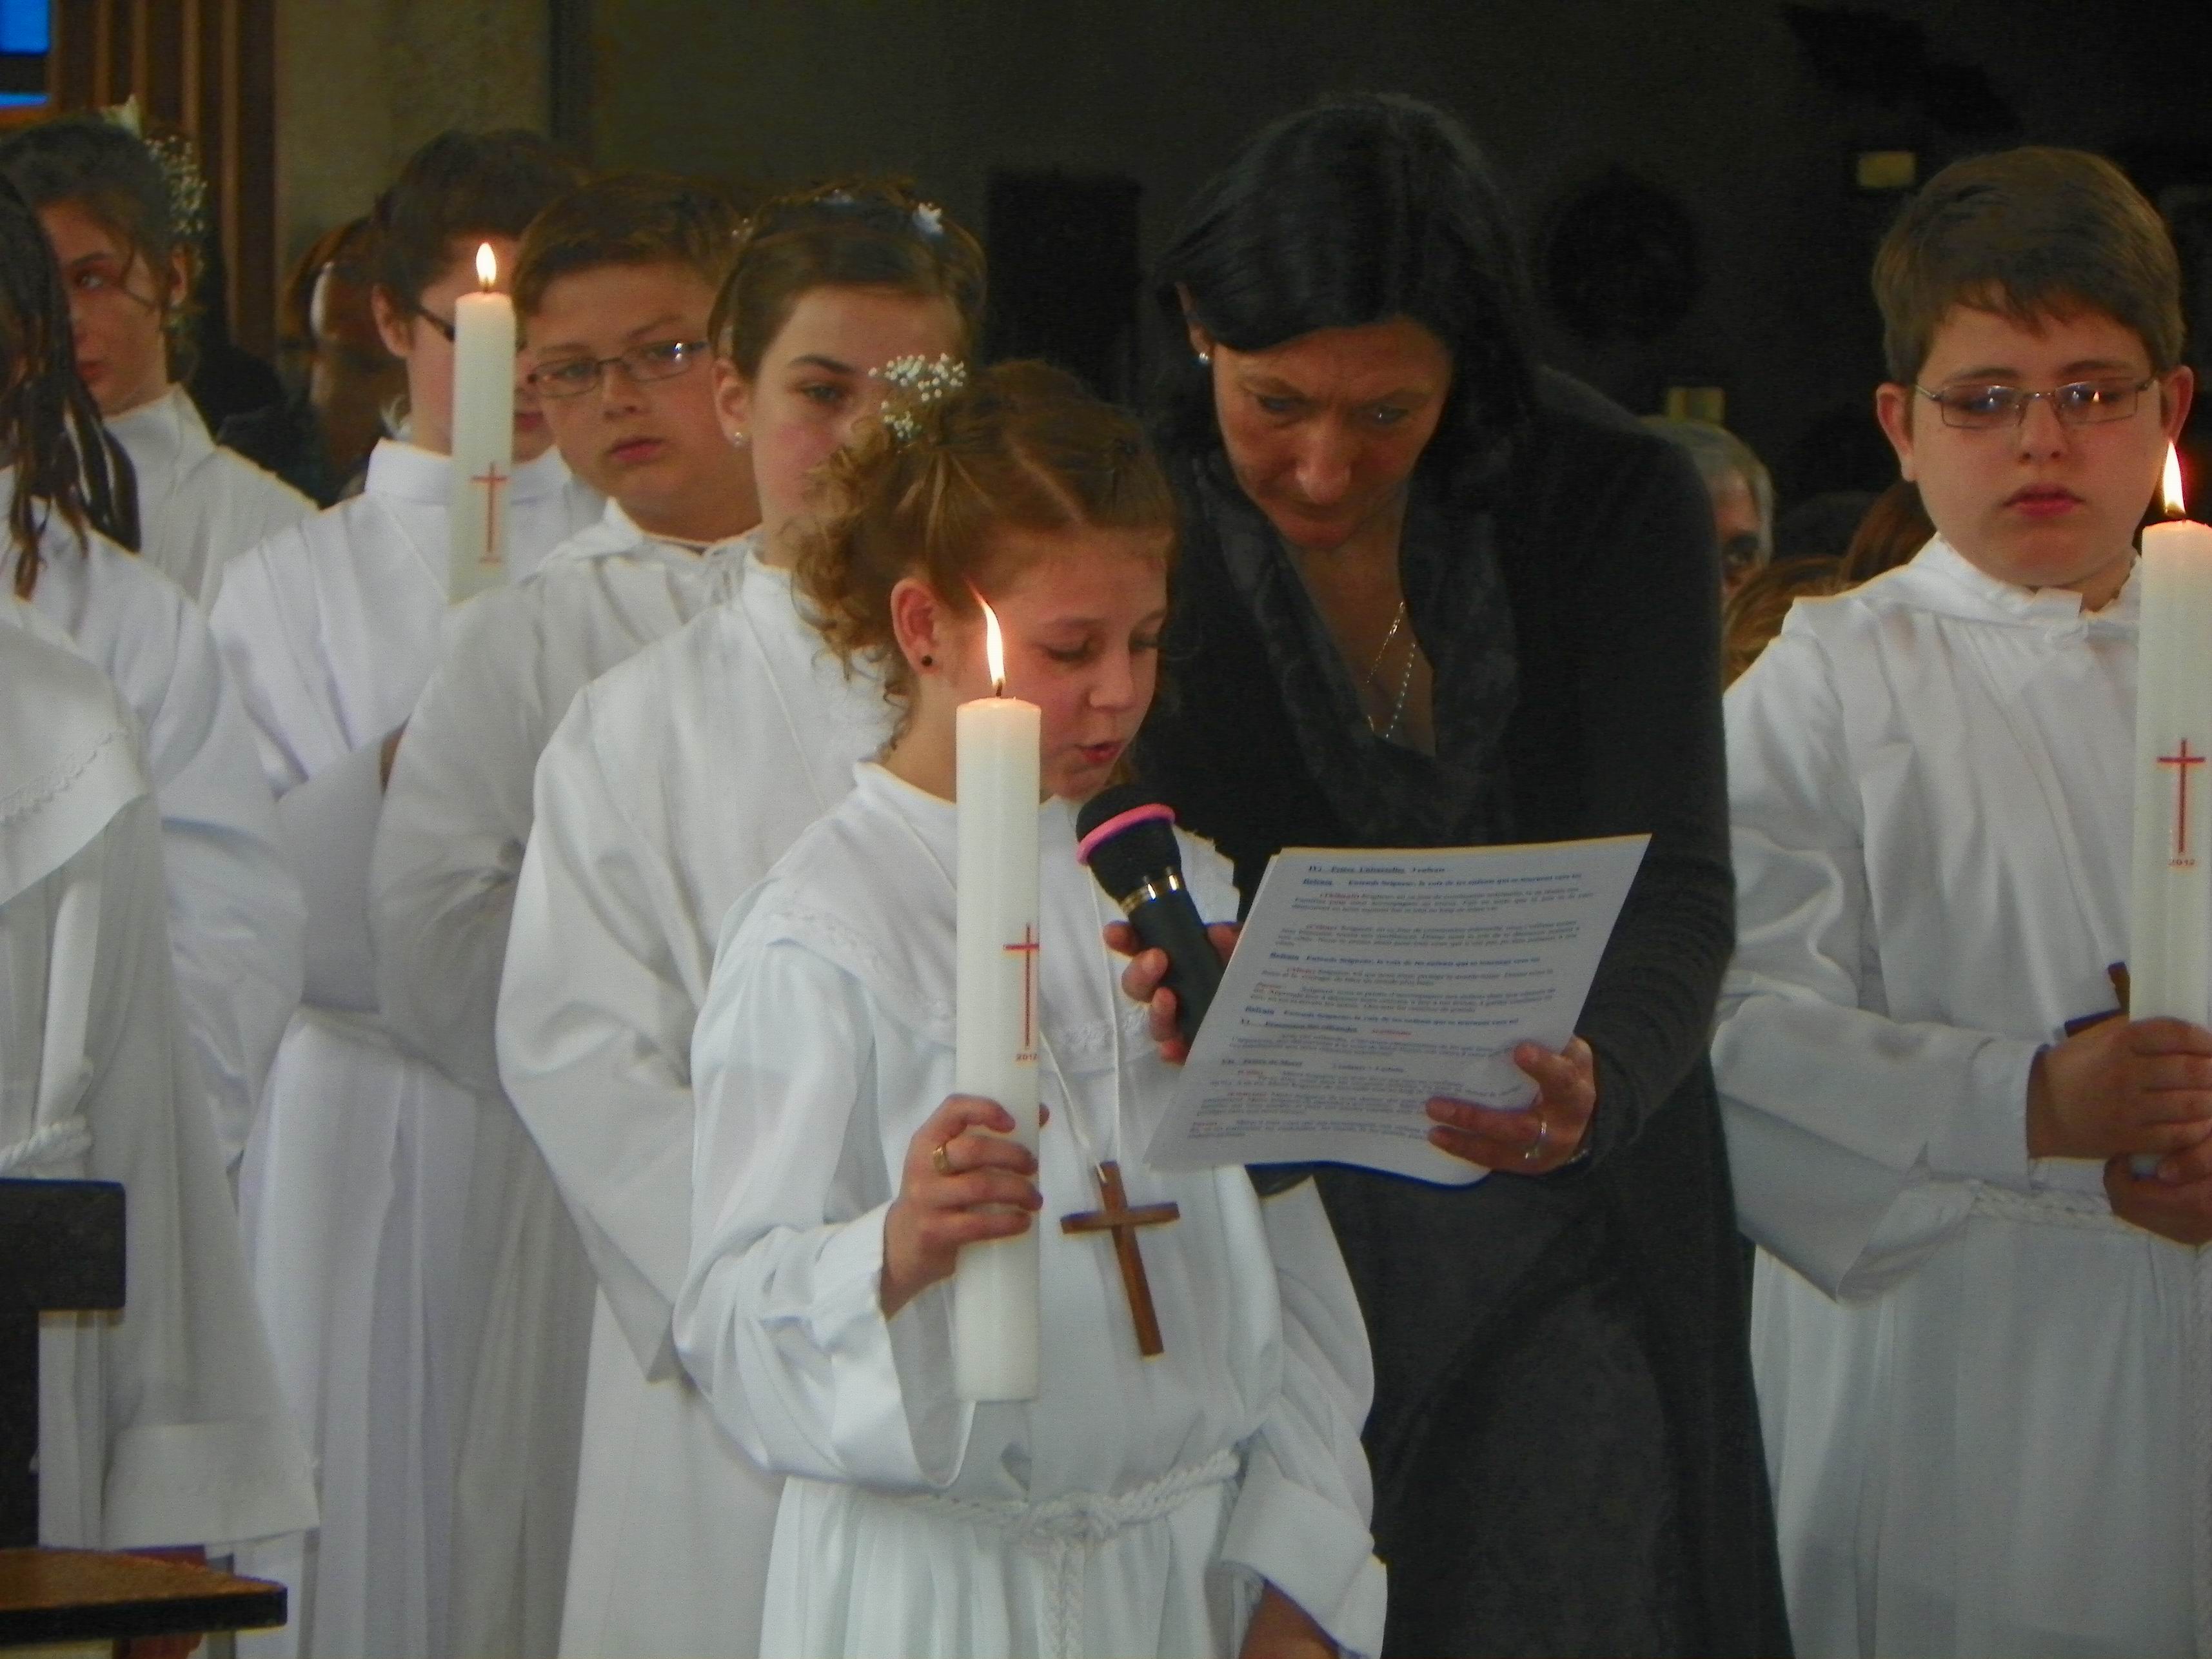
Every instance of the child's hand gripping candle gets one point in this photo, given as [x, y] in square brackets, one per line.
[2169, 928]
[483, 432]
[995, 1340]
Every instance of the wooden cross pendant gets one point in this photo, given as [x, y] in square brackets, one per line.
[1119, 1219]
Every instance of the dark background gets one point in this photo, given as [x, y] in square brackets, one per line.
[1730, 246]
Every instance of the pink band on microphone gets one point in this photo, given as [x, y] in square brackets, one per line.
[1152, 811]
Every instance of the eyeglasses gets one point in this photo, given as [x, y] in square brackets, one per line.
[2084, 403]
[445, 327]
[656, 360]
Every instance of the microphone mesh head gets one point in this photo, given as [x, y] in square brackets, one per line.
[1128, 854]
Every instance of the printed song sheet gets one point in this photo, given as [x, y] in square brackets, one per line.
[1364, 983]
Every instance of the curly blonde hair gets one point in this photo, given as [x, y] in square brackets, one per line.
[1024, 446]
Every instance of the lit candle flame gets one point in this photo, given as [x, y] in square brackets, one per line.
[487, 266]
[2176, 508]
[994, 648]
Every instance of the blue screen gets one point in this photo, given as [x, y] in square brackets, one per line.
[26, 26]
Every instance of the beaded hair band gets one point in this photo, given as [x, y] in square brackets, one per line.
[915, 383]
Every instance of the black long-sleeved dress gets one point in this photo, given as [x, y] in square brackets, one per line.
[1564, 1439]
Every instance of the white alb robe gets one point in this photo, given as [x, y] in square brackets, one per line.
[448, 846]
[236, 915]
[673, 785]
[355, 1191]
[1136, 1506]
[1984, 1397]
[164, 1424]
[199, 505]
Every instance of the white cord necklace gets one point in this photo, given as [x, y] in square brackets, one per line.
[782, 702]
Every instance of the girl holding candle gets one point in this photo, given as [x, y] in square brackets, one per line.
[675, 781]
[110, 208]
[1981, 1339]
[1136, 1506]
[356, 1191]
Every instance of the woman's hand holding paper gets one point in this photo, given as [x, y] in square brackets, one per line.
[1534, 1139]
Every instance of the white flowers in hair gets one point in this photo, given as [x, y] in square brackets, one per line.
[180, 171]
[929, 220]
[915, 383]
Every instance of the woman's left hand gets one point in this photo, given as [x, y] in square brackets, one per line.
[1534, 1139]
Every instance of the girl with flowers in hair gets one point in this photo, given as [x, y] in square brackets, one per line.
[1210, 1499]
[163, 1425]
[235, 915]
[673, 783]
[118, 216]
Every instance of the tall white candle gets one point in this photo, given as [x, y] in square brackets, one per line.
[994, 1288]
[483, 432]
[2170, 942]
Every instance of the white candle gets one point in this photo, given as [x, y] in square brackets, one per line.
[483, 432]
[2170, 942]
[994, 1288]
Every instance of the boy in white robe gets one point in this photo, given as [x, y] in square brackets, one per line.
[614, 283]
[355, 1188]
[235, 915]
[673, 784]
[105, 205]
[1210, 1498]
[162, 1426]
[1980, 1337]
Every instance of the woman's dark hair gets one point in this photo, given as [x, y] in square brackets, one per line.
[1355, 211]
[853, 233]
[50, 428]
[461, 185]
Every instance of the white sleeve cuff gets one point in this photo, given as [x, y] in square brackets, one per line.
[898, 1421]
[1313, 1551]
[1983, 1135]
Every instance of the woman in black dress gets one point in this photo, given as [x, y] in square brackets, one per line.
[1431, 594]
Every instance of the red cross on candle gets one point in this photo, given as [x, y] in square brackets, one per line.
[493, 481]
[1027, 949]
[2181, 761]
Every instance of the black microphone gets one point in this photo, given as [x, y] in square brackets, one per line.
[1127, 839]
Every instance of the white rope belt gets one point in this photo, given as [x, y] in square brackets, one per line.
[57, 1143]
[1062, 1529]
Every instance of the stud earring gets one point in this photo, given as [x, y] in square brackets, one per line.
[928, 662]
[737, 440]
[1206, 360]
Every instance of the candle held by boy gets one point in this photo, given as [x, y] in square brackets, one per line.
[2170, 944]
[483, 431]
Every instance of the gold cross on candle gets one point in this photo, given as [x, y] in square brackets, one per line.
[1119, 1219]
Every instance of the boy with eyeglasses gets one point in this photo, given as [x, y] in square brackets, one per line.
[614, 286]
[354, 1188]
[1981, 1339]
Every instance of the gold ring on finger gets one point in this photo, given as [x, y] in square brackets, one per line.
[940, 1160]
[1536, 1149]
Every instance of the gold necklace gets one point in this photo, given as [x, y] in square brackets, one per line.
[1405, 679]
